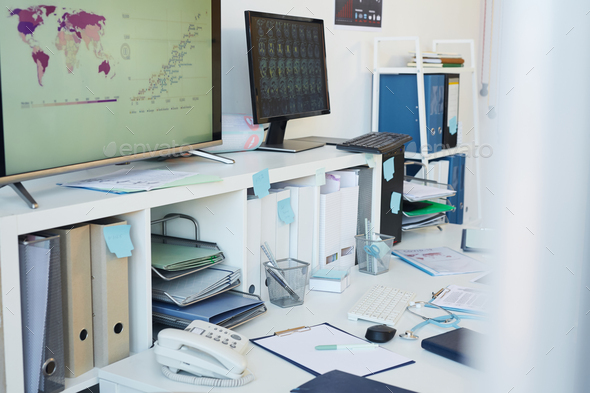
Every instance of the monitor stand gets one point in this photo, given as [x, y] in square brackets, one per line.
[23, 193]
[275, 140]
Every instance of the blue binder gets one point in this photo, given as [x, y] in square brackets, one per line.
[434, 99]
[457, 181]
[398, 109]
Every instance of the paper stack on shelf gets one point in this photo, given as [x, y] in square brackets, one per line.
[438, 60]
[229, 309]
[423, 221]
[415, 192]
[171, 257]
[197, 286]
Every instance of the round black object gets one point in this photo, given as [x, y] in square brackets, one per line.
[380, 333]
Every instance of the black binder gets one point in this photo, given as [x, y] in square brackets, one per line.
[450, 136]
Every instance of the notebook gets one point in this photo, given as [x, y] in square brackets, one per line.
[459, 345]
[340, 382]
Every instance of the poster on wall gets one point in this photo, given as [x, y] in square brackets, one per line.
[364, 15]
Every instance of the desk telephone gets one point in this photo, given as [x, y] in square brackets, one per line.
[212, 352]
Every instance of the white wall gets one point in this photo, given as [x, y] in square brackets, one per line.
[348, 73]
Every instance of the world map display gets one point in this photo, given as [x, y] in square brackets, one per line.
[74, 28]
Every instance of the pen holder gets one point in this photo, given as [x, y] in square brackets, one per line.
[374, 254]
[286, 284]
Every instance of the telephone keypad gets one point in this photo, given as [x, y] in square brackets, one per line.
[219, 334]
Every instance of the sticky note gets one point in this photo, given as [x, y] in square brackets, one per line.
[388, 169]
[118, 240]
[261, 182]
[370, 160]
[285, 211]
[394, 204]
[320, 177]
[453, 125]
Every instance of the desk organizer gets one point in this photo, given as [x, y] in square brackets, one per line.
[330, 278]
[374, 253]
[286, 284]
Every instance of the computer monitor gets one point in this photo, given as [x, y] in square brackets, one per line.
[106, 82]
[288, 75]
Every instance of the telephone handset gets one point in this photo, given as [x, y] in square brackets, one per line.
[209, 351]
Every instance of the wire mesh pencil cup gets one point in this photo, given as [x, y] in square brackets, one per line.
[374, 254]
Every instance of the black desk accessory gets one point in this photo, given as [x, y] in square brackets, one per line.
[380, 333]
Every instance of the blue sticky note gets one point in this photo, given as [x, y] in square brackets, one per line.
[261, 182]
[320, 177]
[118, 240]
[395, 202]
[388, 169]
[285, 211]
[453, 125]
[370, 160]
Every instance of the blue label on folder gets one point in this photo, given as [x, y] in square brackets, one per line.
[285, 211]
[388, 169]
[261, 183]
[395, 202]
[118, 240]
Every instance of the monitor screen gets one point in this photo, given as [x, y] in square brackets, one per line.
[108, 81]
[287, 57]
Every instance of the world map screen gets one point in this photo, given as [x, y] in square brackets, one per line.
[86, 81]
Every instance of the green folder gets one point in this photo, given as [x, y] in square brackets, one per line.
[432, 209]
[171, 257]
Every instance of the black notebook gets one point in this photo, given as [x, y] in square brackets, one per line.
[459, 345]
[340, 382]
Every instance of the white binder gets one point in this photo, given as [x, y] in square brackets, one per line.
[302, 229]
[282, 228]
[268, 225]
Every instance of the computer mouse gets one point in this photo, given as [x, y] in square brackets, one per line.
[380, 333]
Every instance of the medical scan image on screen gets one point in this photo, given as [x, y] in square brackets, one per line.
[291, 71]
[85, 81]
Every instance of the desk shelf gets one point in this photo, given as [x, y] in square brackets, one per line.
[220, 208]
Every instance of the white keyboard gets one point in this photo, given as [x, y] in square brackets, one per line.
[381, 304]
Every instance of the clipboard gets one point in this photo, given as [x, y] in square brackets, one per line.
[297, 346]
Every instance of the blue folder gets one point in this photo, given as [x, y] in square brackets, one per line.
[340, 382]
[457, 181]
[398, 108]
[213, 310]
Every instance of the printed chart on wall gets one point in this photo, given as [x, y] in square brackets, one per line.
[126, 71]
[358, 14]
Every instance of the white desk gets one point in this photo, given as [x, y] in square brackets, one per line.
[430, 373]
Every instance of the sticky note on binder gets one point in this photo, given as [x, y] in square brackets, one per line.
[261, 182]
[388, 169]
[395, 202]
[370, 160]
[285, 211]
[453, 125]
[118, 240]
[320, 177]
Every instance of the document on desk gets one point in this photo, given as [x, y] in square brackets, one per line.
[415, 192]
[298, 348]
[128, 181]
[463, 299]
[441, 261]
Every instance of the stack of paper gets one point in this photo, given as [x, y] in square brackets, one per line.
[415, 192]
[423, 221]
[197, 286]
[440, 261]
[171, 257]
[127, 181]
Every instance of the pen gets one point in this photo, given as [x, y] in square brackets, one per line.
[346, 346]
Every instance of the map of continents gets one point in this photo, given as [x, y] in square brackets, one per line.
[74, 27]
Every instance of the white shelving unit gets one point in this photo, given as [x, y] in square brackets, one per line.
[419, 71]
[219, 207]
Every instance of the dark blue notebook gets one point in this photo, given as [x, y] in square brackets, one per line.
[459, 345]
[340, 382]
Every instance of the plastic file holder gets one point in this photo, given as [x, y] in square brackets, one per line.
[42, 317]
[164, 238]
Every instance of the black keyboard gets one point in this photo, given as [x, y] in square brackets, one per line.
[375, 142]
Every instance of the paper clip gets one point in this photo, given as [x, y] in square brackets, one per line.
[291, 331]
